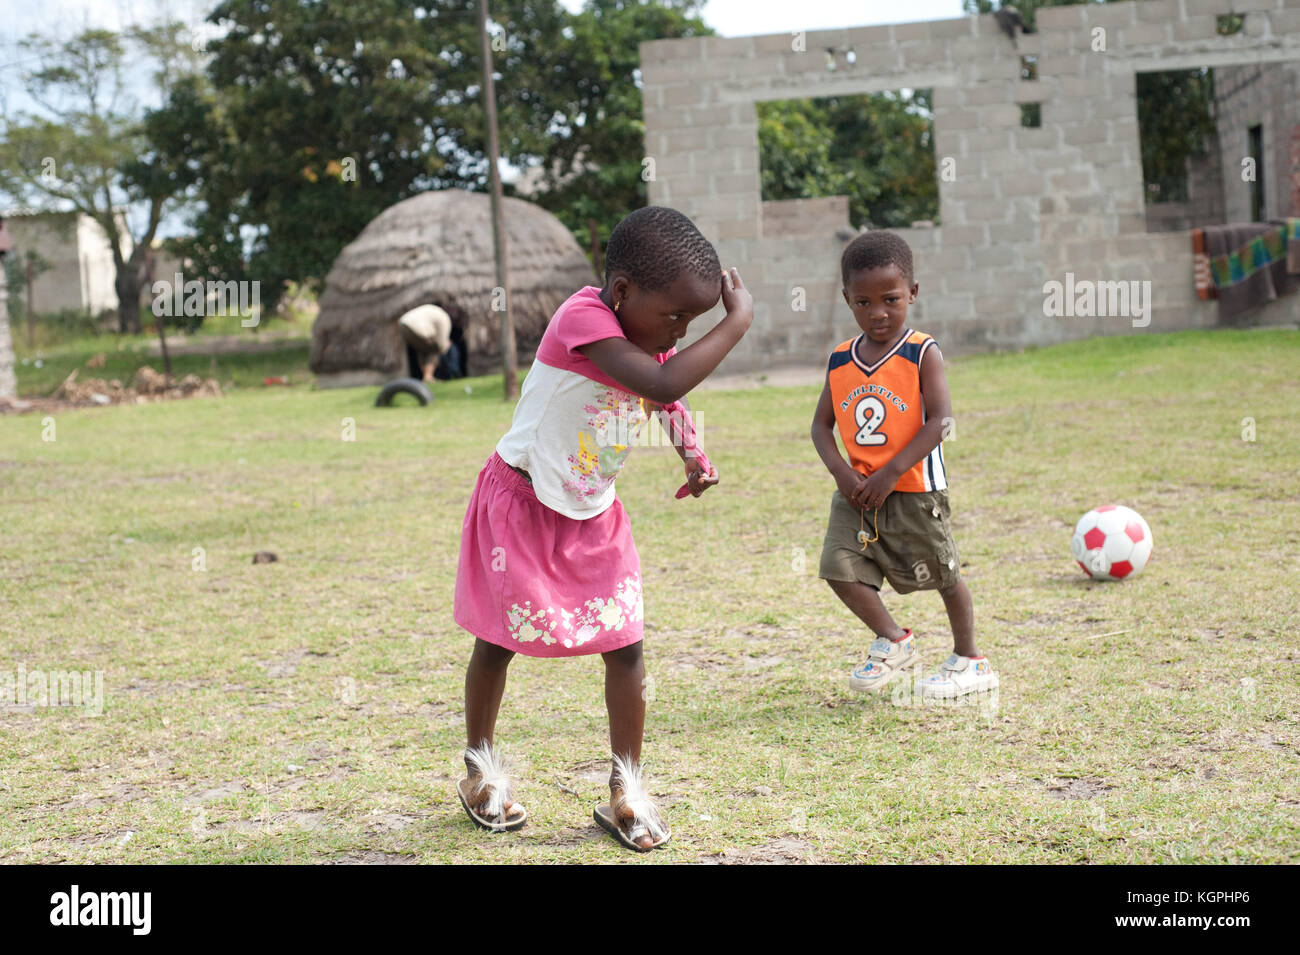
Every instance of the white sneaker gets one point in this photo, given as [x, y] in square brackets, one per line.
[885, 660]
[959, 676]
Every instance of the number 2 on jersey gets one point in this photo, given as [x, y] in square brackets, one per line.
[870, 415]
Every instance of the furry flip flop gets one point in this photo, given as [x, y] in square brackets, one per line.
[645, 818]
[494, 778]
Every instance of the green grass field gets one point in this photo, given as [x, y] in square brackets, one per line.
[310, 710]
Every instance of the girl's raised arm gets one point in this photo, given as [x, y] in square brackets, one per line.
[663, 384]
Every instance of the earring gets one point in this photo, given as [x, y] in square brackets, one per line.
[616, 305]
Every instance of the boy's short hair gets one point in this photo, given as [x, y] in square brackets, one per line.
[874, 250]
[654, 245]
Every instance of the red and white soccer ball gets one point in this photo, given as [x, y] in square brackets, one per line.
[1111, 542]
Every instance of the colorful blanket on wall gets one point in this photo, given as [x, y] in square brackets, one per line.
[1246, 265]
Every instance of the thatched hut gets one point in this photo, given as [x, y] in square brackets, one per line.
[436, 248]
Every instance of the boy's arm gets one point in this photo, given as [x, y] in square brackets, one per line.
[849, 481]
[938, 416]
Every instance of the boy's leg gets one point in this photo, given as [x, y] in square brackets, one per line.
[854, 575]
[865, 601]
[961, 616]
[894, 648]
[966, 671]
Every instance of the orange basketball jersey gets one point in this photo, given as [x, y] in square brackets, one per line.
[879, 409]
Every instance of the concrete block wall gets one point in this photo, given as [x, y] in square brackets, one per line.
[785, 218]
[1294, 164]
[1265, 95]
[1026, 205]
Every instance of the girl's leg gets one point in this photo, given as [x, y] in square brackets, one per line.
[866, 603]
[485, 683]
[961, 616]
[625, 699]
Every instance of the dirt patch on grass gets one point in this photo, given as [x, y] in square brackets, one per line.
[164, 688]
[286, 664]
[575, 837]
[1269, 742]
[213, 793]
[119, 837]
[1081, 788]
[123, 792]
[695, 660]
[788, 850]
[440, 712]
[390, 821]
[594, 771]
[370, 857]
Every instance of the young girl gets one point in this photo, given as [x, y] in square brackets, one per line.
[547, 564]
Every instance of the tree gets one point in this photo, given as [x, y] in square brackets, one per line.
[877, 149]
[593, 163]
[324, 115]
[89, 149]
[21, 268]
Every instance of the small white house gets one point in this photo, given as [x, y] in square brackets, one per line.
[81, 258]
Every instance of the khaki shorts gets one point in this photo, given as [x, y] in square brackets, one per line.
[915, 550]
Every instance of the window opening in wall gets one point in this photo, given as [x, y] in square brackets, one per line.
[877, 149]
[1175, 129]
[1256, 137]
[1230, 23]
[1216, 144]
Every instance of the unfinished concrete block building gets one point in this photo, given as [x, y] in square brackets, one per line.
[1025, 205]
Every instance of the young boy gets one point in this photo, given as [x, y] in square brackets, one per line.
[886, 391]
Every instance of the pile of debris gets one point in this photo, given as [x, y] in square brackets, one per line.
[148, 386]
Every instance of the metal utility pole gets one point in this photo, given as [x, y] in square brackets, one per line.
[509, 359]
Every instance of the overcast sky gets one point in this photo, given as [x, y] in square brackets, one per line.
[750, 17]
[728, 17]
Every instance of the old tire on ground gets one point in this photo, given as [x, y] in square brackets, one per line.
[404, 386]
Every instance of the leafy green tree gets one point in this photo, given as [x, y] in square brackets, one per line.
[795, 151]
[592, 167]
[16, 265]
[88, 148]
[323, 115]
[1175, 117]
[877, 149]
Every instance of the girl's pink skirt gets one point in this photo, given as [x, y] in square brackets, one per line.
[532, 580]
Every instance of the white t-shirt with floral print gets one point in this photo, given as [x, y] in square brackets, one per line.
[574, 426]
